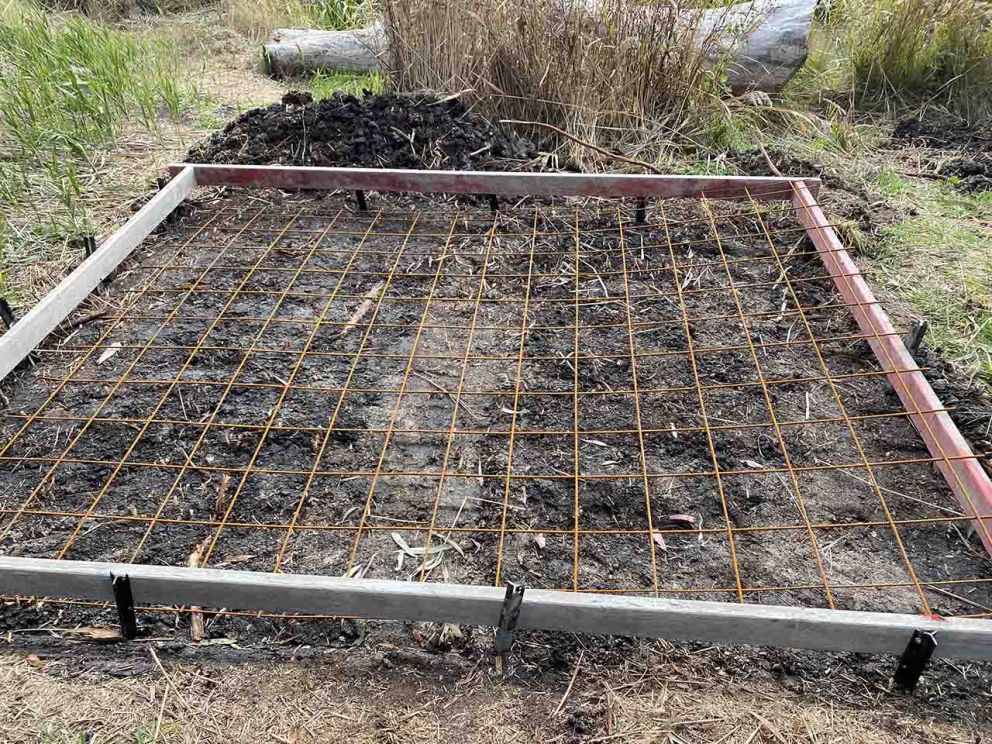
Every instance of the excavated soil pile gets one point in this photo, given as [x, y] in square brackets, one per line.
[377, 131]
[970, 147]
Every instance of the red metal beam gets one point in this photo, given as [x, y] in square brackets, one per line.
[954, 457]
[495, 182]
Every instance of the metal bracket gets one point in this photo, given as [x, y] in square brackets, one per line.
[508, 615]
[89, 245]
[915, 659]
[914, 338]
[7, 313]
[125, 605]
[640, 214]
[360, 198]
[173, 216]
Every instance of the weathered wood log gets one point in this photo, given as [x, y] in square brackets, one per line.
[300, 51]
[764, 41]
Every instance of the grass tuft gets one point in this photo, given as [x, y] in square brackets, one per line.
[68, 86]
[256, 19]
[924, 51]
[937, 259]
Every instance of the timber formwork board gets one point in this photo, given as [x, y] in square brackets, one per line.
[521, 382]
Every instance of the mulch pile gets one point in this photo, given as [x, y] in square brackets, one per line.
[971, 166]
[378, 131]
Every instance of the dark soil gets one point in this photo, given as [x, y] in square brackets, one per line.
[850, 203]
[377, 131]
[963, 152]
[942, 135]
[970, 174]
[754, 163]
[691, 565]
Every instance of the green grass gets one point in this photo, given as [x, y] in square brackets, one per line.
[257, 18]
[68, 87]
[325, 84]
[938, 261]
[903, 55]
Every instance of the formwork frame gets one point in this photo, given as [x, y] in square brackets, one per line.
[828, 629]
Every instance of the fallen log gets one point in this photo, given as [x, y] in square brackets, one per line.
[764, 41]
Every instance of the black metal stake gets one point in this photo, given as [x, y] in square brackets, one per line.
[640, 214]
[913, 339]
[89, 245]
[173, 216]
[915, 659]
[493, 203]
[508, 615]
[125, 605]
[360, 197]
[7, 313]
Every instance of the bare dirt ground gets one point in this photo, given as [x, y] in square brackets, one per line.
[242, 388]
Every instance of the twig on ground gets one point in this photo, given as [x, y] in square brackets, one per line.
[363, 309]
[439, 388]
[571, 683]
[584, 143]
[168, 679]
[72, 325]
[771, 166]
[958, 597]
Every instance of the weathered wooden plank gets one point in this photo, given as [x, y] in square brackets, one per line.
[719, 622]
[495, 182]
[55, 307]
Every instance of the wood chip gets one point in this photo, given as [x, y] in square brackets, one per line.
[370, 297]
[34, 660]
[100, 635]
[109, 352]
[682, 520]
[220, 503]
[196, 613]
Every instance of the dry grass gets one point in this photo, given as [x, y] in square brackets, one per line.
[349, 698]
[625, 73]
[929, 52]
[256, 19]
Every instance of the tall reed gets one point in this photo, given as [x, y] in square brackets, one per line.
[602, 70]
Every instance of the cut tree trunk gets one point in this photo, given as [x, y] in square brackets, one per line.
[300, 51]
[764, 41]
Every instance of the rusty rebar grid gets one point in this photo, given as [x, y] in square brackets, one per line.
[456, 281]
